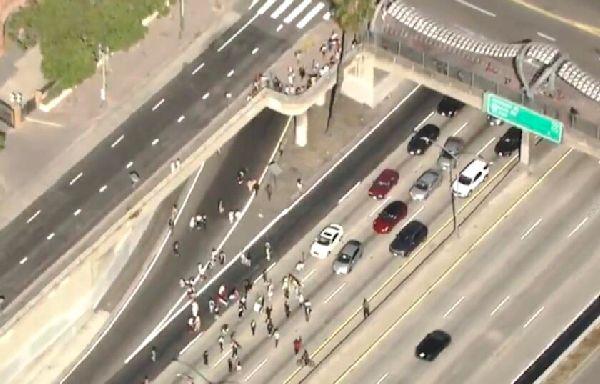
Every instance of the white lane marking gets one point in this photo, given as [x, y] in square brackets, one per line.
[116, 142]
[32, 217]
[50, 236]
[129, 165]
[255, 370]
[547, 37]
[349, 192]
[230, 73]
[180, 118]
[460, 129]
[485, 146]
[199, 67]
[254, 3]
[499, 305]
[416, 128]
[415, 214]
[279, 27]
[236, 34]
[327, 16]
[102, 188]
[77, 212]
[268, 270]
[168, 318]
[138, 285]
[453, 307]
[43, 122]
[278, 217]
[155, 141]
[205, 96]
[297, 11]
[527, 232]
[255, 51]
[377, 208]
[268, 4]
[581, 223]
[158, 104]
[74, 180]
[536, 314]
[282, 8]
[308, 275]
[23, 260]
[334, 293]
[190, 343]
[310, 15]
[476, 8]
[223, 356]
[382, 378]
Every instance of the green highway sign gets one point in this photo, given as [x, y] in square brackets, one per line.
[523, 117]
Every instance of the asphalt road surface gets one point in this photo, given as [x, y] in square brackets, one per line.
[148, 139]
[292, 227]
[518, 290]
[573, 26]
[333, 297]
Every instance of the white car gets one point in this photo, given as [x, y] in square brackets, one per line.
[327, 240]
[470, 178]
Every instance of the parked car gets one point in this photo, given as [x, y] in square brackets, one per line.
[449, 106]
[432, 345]
[494, 121]
[391, 215]
[349, 255]
[425, 184]
[470, 177]
[509, 142]
[383, 184]
[452, 149]
[422, 139]
[409, 238]
[328, 238]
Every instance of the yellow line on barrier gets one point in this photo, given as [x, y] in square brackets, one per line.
[592, 30]
[401, 268]
[452, 267]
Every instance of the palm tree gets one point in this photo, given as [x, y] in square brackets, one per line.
[352, 16]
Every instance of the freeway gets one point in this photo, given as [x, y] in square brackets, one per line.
[317, 203]
[549, 21]
[333, 297]
[149, 138]
[520, 288]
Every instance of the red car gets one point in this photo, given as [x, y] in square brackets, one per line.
[383, 184]
[391, 215]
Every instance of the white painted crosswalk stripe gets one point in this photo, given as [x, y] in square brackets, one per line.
[297, 11]
[327, 16]
[262, 10]
[310, 15]
[282, 8]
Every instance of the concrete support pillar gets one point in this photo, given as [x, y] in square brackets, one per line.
[526, 148]
[321, 99]
[301, 126]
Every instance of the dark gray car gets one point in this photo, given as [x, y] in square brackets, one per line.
[425, 184]
[348, 257]
[452, 149]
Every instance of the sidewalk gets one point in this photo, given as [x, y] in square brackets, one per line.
[39, 152]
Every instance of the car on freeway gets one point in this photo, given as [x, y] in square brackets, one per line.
[449, 106]
[426, 184]
[409, 238]
[327, 240]
[509, 142]
[347, 258]
[383, 184]
[452, 149]
[470, 177]
[422, 139]
[391, 215]
[494, 121]
[432, 345]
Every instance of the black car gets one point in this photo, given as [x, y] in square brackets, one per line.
[449, 107]
[409, 238]
[509, 142]
[423, 139]
[432, 344]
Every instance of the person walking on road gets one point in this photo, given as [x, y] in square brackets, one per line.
[176, 248]
[202, 271]
[221, 207]
[253, 326]
[205, 357]
[231, 216]
[222, 257]
[307, 309]
[221, 342]
[211, 305]
[297, 345]
[268, 250]
[366, 309]
[286, 308]
[153, 354]
[268, 312]
[276, 337]
[229, 365]
[270, 327]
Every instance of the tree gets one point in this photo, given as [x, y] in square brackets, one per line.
[352, 16]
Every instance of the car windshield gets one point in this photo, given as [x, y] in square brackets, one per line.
[464, 180]
[383, 183]
[387, 215]
[446, 155]
[421, 185]
[344, 258]
[323, 240]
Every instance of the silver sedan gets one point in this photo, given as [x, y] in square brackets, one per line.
[425, 184]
